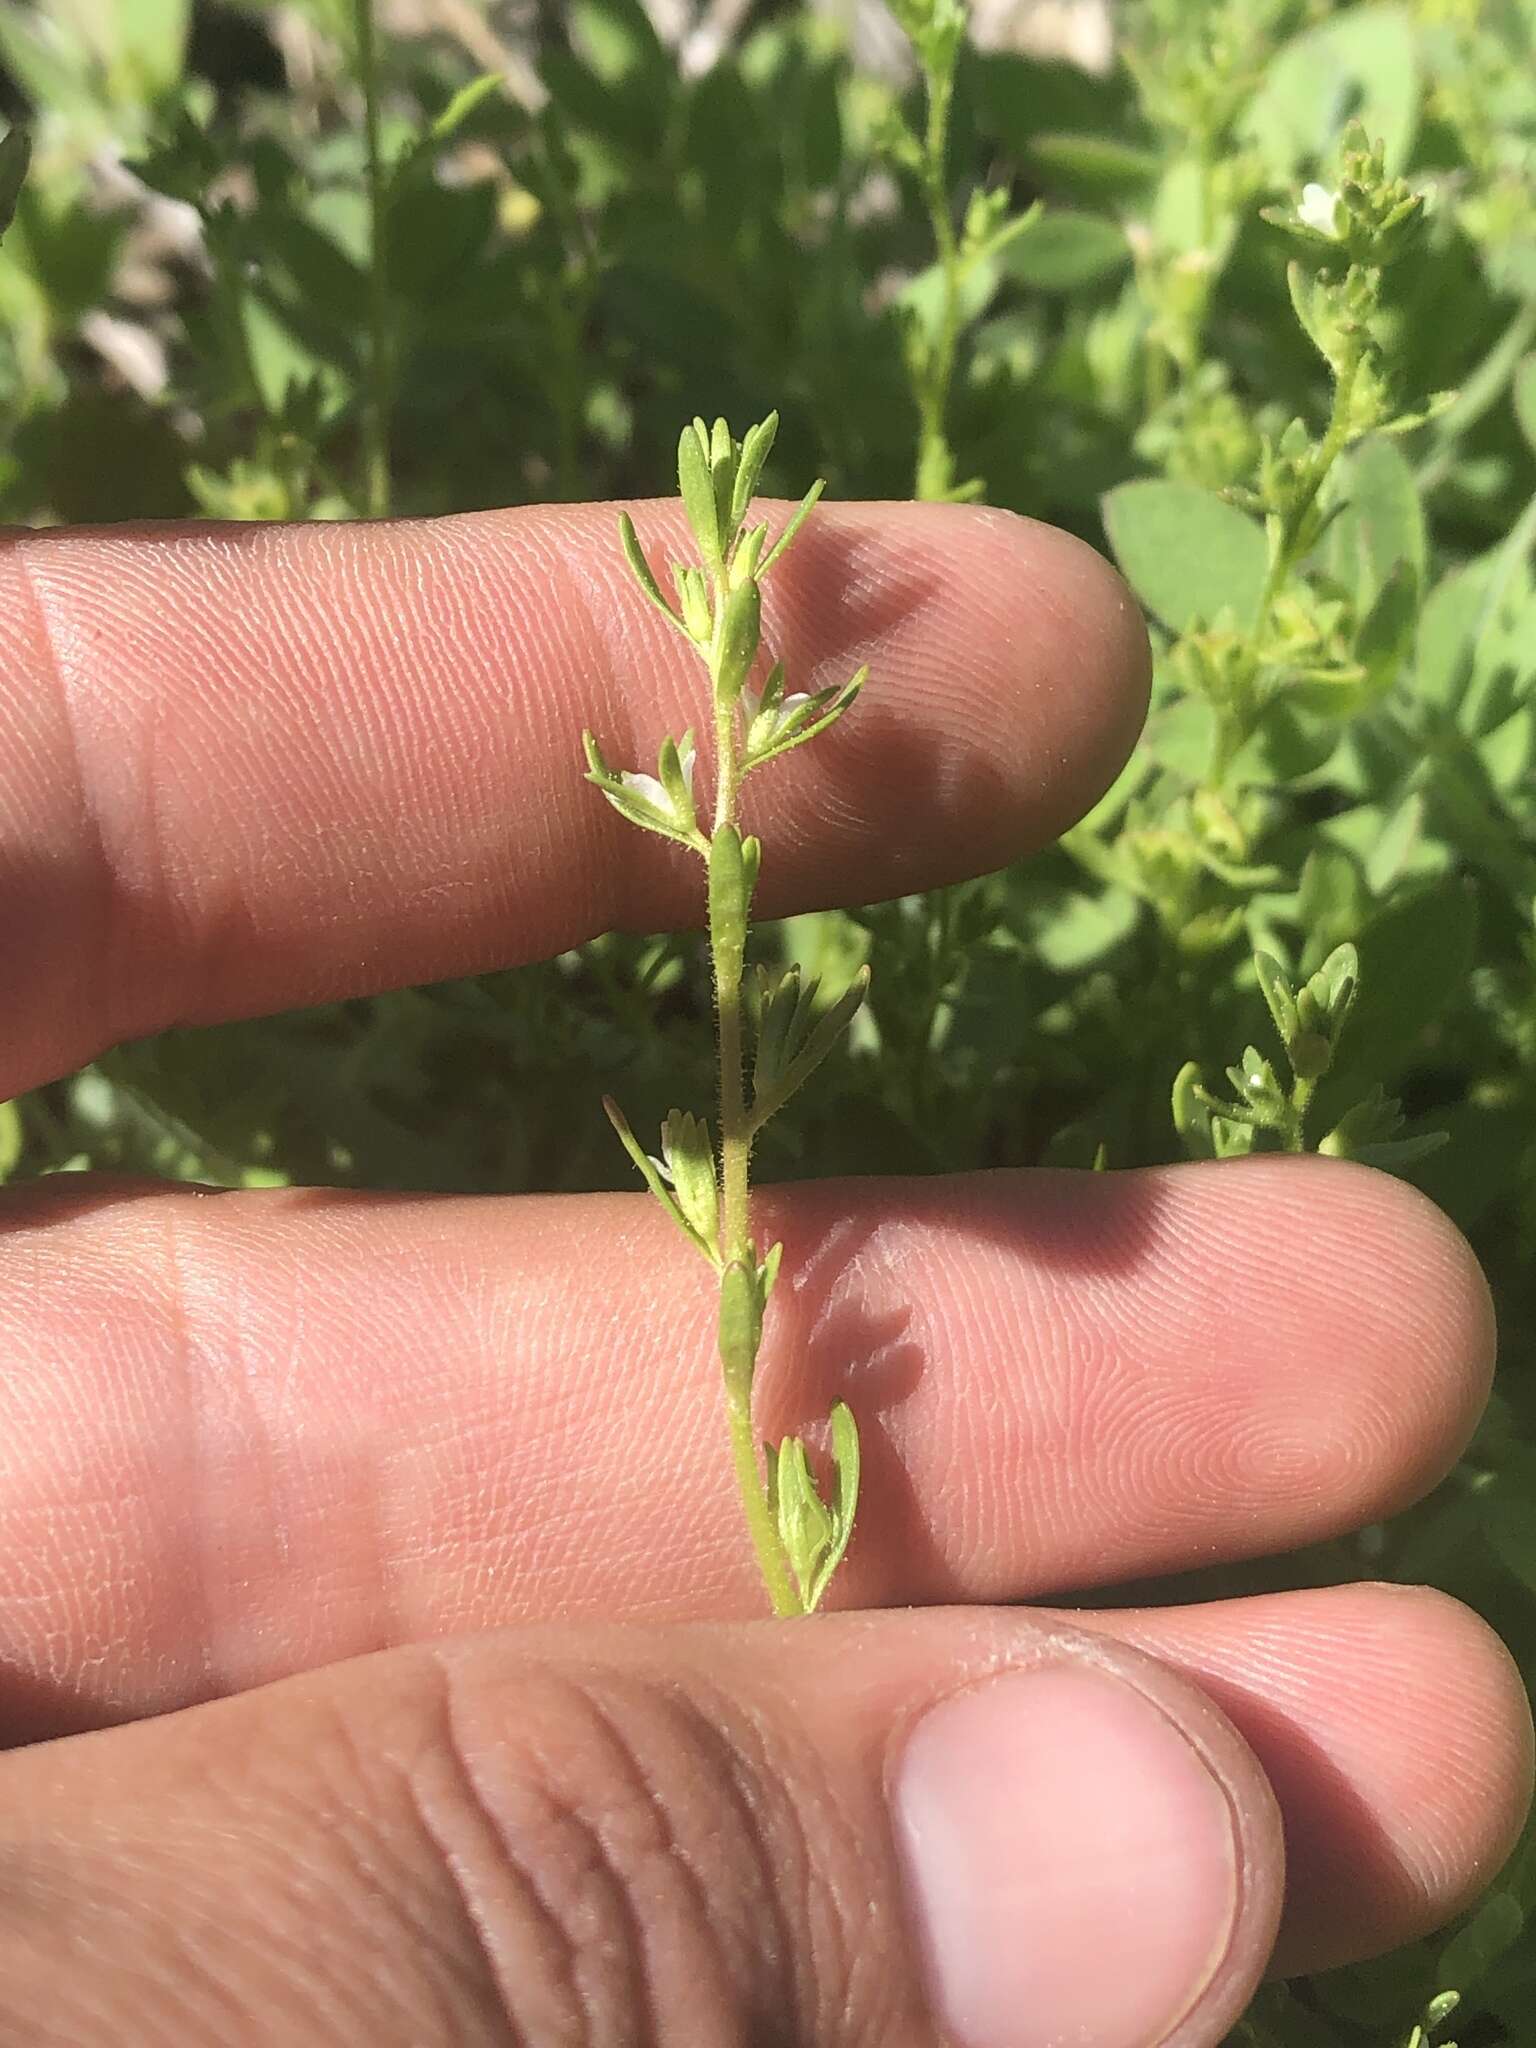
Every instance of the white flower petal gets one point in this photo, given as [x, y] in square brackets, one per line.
[785, 710]
[687, 754]
[649, 788]
[1318, 210]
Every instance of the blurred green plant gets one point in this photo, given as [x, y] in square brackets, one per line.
[1260, 248]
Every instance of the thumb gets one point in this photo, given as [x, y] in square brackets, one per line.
[969, 1826]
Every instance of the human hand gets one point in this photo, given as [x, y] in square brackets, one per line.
[577, 1796]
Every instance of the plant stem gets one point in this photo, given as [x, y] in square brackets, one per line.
[935, 461]
[735, 1163]
[1231, 734]
[1301, 1101]
[735, 1133]
[376, 407]
[772, 1562]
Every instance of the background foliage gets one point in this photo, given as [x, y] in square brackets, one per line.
[614, 231]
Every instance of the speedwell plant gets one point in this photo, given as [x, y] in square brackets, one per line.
[799, 1536]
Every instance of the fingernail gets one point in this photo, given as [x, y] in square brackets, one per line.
[1071, 1862]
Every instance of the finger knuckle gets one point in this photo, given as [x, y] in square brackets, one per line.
[633, 1864]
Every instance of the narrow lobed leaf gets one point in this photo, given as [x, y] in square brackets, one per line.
[799, 1065]
[686, 1147]
[845, 1462]
[654, 1181]
[1277, 993]
[804, 724]
[749, 470]
[669, 768]
[722, 472]
[797, 519]
[697, 489]
[806, 1529]
[641, 569]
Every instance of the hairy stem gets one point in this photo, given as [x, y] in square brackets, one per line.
[935, 462]
[735, 1164]
[735, 1132]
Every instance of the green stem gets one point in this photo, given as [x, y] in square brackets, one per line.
[1301, 1102]
[761, 1527]
[1232, 734]
[735, 1134]
[735, 1165]
[376, 407]
[935, 461]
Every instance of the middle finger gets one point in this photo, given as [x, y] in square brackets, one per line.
[245, 1434]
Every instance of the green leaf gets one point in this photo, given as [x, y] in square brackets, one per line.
[1276, 987]
[12, 1138]
[845, 1462]
[1186, 554]
[1414, 959]
[1524, 394]
[1361, 63]
[654, 1181]
[768, 1271]
[805, 1527]
[741, 1323]
[797, 519]
[722, 471]
[695, 484]
[150, 38]
[1384, 638]
[1066, 252]
[1258, 1086]
[1471, 1953]
[1381, 524]
[641, 569]
[1095, 166]
[669, 772]
[754, 453]
[1191, 1117]
[463, 104]
[634, 804]
[686, 1148]
[1389, 856]
[1027, 101]
[728, 903]
[1392, 1155]
[740, 633]
[803, 723]
[1327, 997]
[1074, 928]
[791, 1046]
[15, 155]
[1448, 628]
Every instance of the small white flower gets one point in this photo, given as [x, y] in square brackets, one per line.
[783, 711]
[648, 787]
[1319, 210]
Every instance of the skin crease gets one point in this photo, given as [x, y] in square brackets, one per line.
[246, 1437]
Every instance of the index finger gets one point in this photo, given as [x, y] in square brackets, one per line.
[246, 767]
